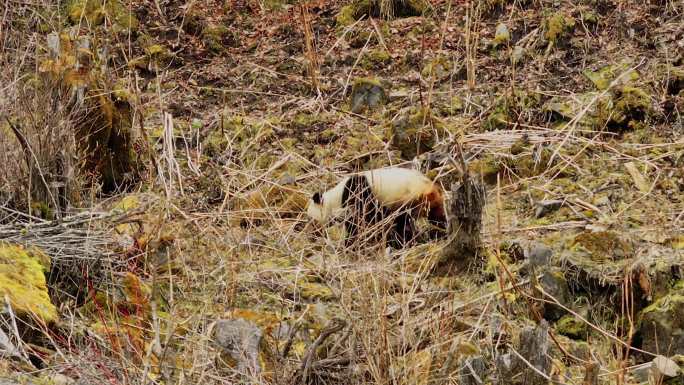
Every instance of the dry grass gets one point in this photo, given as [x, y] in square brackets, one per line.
[42, 173]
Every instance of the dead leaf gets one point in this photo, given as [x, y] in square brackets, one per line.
[665, 366]
[638, 178]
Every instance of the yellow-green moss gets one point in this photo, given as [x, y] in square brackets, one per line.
[375, 58]
[437, 69]
[501, 35]
[128, 203]
[572, 327]
[346, 16]
[631, 101]
[505, 104]
[487, 167]
[43, 210]
[94, 13]
[217, 37]
[22, 279]
[406, 8]
[308, 121]
[666, 304]
[605, 75]
[416, 133]
[556, 26]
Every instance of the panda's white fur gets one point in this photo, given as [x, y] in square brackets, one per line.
[391, 186]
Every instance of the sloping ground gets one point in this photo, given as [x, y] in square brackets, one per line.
[569, 113]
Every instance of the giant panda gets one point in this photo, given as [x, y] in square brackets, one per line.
[367, 198]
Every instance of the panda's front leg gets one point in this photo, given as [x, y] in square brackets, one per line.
[404, 229]
[351, 232]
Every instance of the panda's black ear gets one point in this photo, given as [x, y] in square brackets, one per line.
[317, 198]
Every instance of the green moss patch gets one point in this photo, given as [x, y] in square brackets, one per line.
[94, 13]
[572, 327]
[556, 26]
[22, 279]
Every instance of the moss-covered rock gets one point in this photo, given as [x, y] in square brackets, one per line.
[572, 327]
[602, 245]
[94, 12]
[415, 133]
[507, 105]
[529, 163]
[502, 35]
[437, 69]
[554, 282]
[154, 53]
[217, 37]
[632, 105]
[624, 108]
[570, 107]
[376, 58]
[377, 8]
[498, 118]
[347, 15]
[367, 94]
[661, 324]
[22, 279]
[602, 77]
[452, 106]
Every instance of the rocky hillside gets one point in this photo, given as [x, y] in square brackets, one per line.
[159, 156]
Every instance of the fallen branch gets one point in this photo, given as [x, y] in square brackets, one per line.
[333, 327]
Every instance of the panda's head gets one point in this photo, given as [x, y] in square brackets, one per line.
[316, 209]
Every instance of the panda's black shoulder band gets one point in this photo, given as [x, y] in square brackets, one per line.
[357, 187]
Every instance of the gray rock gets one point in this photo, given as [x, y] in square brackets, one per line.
[554, 283]
[662, 324]
[474, 371]
[241, 340]
[367, 94]
[538, 255]
[664, 367]
[287, 179]
[518, 54]
[534, 348]
[546, 207]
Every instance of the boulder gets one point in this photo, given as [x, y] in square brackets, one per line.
[240, 340]
[662, 323]
[367, 94]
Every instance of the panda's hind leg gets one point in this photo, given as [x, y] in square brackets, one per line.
[363, 209]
